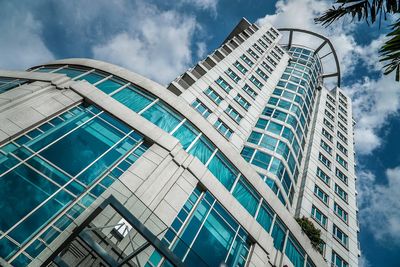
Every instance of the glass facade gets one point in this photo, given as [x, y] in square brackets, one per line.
[44, 190]
[280, 133]
[202, 223]
[159, 113]
[10, 83]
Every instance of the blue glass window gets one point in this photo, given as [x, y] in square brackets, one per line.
[247, 196]
[209, 224]
[278, 234]
[133, 98]
[85, 145]
[162, 116]
[223, 171]
[265, 217]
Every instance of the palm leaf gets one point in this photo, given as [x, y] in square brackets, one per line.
[390, 51]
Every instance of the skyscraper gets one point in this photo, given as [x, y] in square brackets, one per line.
[101, 166]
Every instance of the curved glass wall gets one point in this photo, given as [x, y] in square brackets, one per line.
[192, 140]
[276, 144]
[45, 190]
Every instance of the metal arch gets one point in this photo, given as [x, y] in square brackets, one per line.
[325, 41]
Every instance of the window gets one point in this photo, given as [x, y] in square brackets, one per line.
[262, 43]
[340, 236]
[247, 60]
[256, 82]
[342, 102]
[341, 126]
[201, 108]
[258, 49]
[249, 91]
[337, 261]
[240, 67]
[341, 161]
[262, 74]
[247, 196]
[342, 118]
[270, 60]
[319, 216]
[341, 148]
[341, 176]
[242, 101]
[324, 160]
[342, 110]
[232, 75]
[253, 54]
[326, 147]
[277, 49]
[340, 192]
[294, 252]
[10, 83]
[327, 135]
[224, 85]
[223, 128]
[203, 221]
[330, 115]
[340, 212]
[81, 137]
[332, 108]
[233, 114]
[324, 177]
[267, 67]
[247, 153]
[267, 39]
[331, 99]
[254, 137]
[321, 194]
[342, 137]
[275, 55]
[327, 123]
[261, 159]
[216, 98]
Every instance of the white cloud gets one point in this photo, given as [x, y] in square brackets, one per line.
[203, 4]
[374, 103]
[21, 44]
[380, 206]
[155, 43]
[374, 100]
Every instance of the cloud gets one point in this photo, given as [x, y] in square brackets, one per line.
[21, 44]
[154, 43]
[380, 206]
[210, 5]
[375, 100]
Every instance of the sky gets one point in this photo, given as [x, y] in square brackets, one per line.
[160, 39]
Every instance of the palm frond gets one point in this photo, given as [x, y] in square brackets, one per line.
[390, 51]
[367, 10]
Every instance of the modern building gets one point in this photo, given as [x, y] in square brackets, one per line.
[100, 166]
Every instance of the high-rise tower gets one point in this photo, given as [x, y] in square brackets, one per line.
[102, 166]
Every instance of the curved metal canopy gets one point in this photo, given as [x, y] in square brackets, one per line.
[323, 42]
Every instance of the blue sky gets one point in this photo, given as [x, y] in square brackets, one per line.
[162, 38]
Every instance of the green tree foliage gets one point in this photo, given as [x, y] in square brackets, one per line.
[371, 11]
[311, 231]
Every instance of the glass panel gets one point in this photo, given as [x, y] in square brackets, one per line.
[109, 86]
[92, 77]
[162, 117]
[226, 175]
[202, 150]
[185, 134]
[265, 217]
[134, 100]
[245, 195]
[70, 72]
